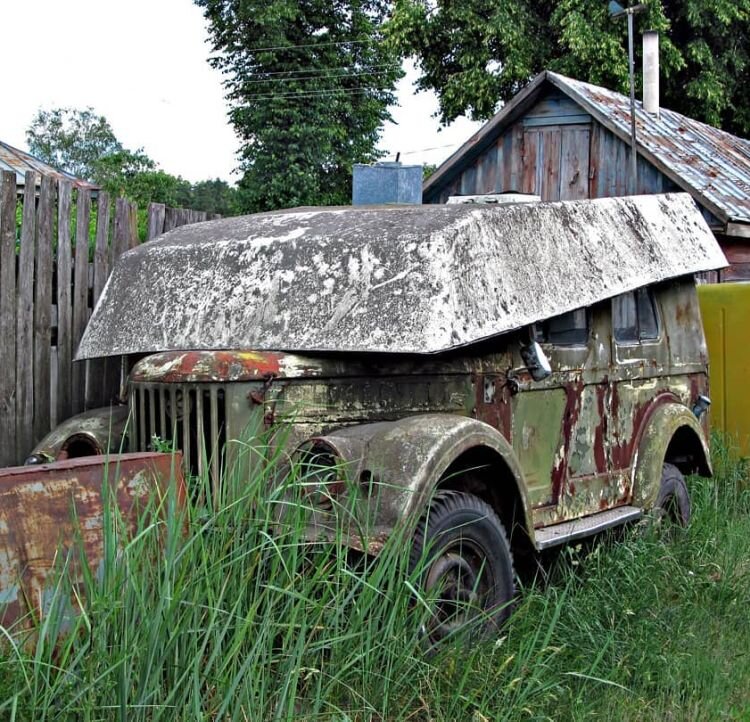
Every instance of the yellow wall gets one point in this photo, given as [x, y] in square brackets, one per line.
[725, 309]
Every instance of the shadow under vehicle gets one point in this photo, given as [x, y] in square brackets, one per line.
[494, 380]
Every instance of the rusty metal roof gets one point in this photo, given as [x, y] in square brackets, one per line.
[400, 279]
[20, 162]
[710, 164]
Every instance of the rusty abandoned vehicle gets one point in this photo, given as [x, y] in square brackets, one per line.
[530, 373]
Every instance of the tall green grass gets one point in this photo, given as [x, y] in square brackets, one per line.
[230, 614]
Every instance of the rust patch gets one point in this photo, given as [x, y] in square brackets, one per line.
[574, 395]
[208, 366]
[45, 509]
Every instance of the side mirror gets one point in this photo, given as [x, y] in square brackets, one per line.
[536, 361]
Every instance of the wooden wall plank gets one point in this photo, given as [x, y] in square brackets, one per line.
[7, 318]
[574, 168]
[155, 220]
[81, 293]
[515, 151]
[25, 324]
[531, 142]
[548, 181]
[64, 304]
[42, 307]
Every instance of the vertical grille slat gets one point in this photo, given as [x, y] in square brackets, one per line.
[202, 444]
[153, 395]
[214, 432]
[163, 429]
[143, 395]
[184, 418]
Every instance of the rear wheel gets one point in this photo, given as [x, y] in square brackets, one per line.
[673, 500]
[465, 563]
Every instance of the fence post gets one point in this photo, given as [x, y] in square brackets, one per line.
[25, 324]
[155, 220]
[64, 303]
[8, 318]
[80, 292]
[42, 303]
[95, 368]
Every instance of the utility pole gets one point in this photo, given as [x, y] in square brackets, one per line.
[616, 11]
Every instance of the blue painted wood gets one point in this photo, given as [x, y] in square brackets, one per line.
[581, 118]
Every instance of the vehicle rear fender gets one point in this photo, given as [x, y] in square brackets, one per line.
[673, 434]
[402, 462]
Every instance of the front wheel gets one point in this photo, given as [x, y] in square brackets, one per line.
[673, 500]
[465, 564]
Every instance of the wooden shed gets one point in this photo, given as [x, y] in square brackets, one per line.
[564, 139]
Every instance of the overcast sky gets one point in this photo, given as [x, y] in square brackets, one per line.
[142, 64]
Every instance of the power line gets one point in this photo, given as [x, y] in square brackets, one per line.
[319, 77]
[315, 93]
[309, 45]
[333, 67]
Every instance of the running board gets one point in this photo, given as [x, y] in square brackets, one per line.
[586, 526]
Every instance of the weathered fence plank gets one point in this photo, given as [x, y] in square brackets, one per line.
[170, 219]
[41, 290]
[155, 220]
[25, 323]
[95, 369]
[81, 293]
[42, 302]
[8, 317]
[64, 302]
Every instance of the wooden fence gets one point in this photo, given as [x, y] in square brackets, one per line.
[47, 291]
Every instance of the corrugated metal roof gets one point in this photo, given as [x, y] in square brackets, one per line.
[20, 162]
[398, 279]
[710, 164]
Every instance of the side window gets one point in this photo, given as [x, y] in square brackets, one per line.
[570, 329]
[634, 317]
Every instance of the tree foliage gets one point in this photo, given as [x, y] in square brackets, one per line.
[72, 140]
[477, 54]
[84, 144]
[309, 84]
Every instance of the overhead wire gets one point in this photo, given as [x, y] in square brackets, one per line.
[309, 45]
[336, 76]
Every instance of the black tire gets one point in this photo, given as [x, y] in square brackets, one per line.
[673, 500]
[466, 565]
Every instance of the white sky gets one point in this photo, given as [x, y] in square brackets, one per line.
[142, 64]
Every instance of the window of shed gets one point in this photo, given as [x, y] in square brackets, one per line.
[569, 329]
[634, 317]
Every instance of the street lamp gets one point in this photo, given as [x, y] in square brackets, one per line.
[617, 11]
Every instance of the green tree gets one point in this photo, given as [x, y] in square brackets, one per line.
[84, 144]
[215, 196]
[72, 140]
[478, 54]
[309, 84]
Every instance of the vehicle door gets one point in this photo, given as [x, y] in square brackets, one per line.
[559, 424]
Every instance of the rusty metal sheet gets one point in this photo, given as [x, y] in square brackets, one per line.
[414, 279]
[43, 509]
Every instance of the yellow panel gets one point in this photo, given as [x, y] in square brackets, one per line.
[725, 309]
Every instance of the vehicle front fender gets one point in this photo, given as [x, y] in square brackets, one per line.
[399, 464]
[664, 425]
[97, 431]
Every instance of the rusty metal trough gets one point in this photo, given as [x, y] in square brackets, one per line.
[45, 509]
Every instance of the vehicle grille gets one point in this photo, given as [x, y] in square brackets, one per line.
[191, 417]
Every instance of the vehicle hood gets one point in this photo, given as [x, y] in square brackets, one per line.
[399, 279]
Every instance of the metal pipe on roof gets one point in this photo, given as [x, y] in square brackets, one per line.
[651, 72]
